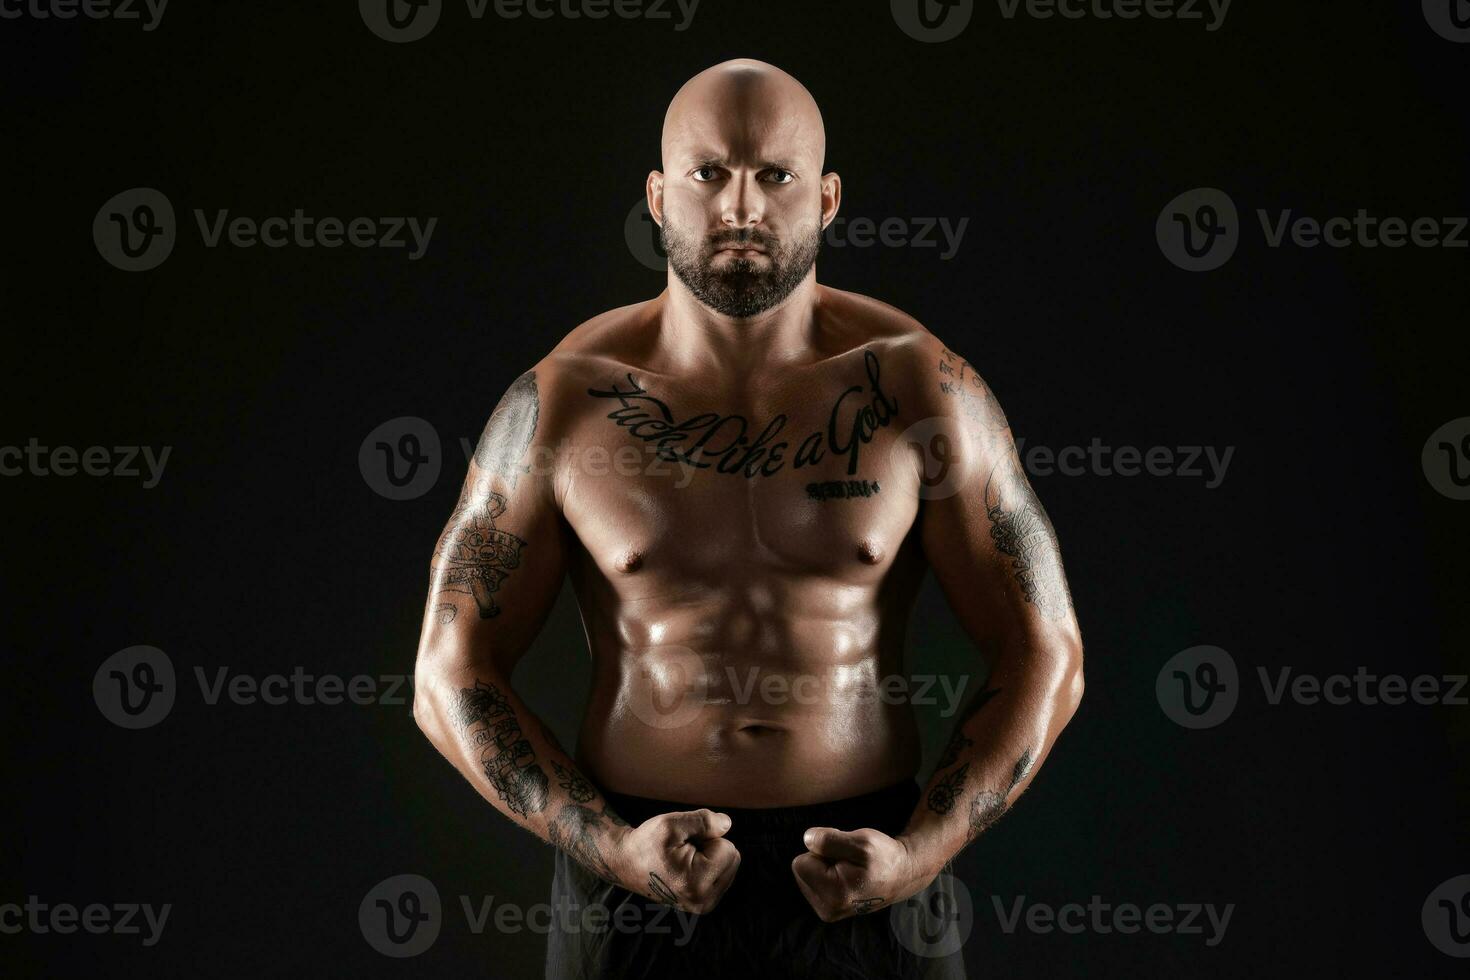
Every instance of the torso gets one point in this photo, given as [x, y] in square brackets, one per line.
[743, 609]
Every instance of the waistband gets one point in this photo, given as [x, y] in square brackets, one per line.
[886, 809]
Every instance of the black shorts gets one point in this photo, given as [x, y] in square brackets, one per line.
[763, 927]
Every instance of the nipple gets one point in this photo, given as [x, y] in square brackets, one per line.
[870, 553]
[631, 561]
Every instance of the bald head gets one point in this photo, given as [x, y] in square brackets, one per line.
[742, 200]
[743, 107]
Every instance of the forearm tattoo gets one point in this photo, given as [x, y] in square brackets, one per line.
[575, 830]
[507, 756]
[1023, 532]
[957, 740]
[576, 785]
[947, 791]
[988, 806]
[474, 557]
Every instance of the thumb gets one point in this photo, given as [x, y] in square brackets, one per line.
[836, 845]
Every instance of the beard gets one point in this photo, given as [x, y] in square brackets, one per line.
[740, 287]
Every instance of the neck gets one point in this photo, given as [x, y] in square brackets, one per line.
[695, 337]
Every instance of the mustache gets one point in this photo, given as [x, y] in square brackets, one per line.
[748, 236]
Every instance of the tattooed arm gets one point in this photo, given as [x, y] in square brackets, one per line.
[495, 574]
[995, 555]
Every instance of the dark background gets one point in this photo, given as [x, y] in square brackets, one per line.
[263, 548]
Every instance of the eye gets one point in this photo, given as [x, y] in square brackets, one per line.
[705, 173]
[780, 176]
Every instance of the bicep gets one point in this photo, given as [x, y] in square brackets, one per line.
[498, 565]
[991, 544]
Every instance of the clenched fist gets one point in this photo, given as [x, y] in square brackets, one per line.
[680, 859]
[851, 872]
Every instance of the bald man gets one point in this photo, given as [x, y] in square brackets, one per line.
[746, 479]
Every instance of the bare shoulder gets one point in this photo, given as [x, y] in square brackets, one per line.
[585, 357]
[938, 380]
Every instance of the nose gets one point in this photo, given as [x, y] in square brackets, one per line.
[743, 204]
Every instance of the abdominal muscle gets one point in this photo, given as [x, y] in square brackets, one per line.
[803, 709]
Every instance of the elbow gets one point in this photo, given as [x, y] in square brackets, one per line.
[1072, 682]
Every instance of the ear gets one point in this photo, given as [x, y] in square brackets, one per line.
[654, 189]
[831, 197]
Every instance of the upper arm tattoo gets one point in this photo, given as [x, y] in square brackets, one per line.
[1023, 532]
[510, 429]
[960, 381]
[473, 555]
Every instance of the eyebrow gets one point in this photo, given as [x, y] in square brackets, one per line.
[716, 161]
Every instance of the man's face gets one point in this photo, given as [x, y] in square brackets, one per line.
[742, 208]
[741, 272]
